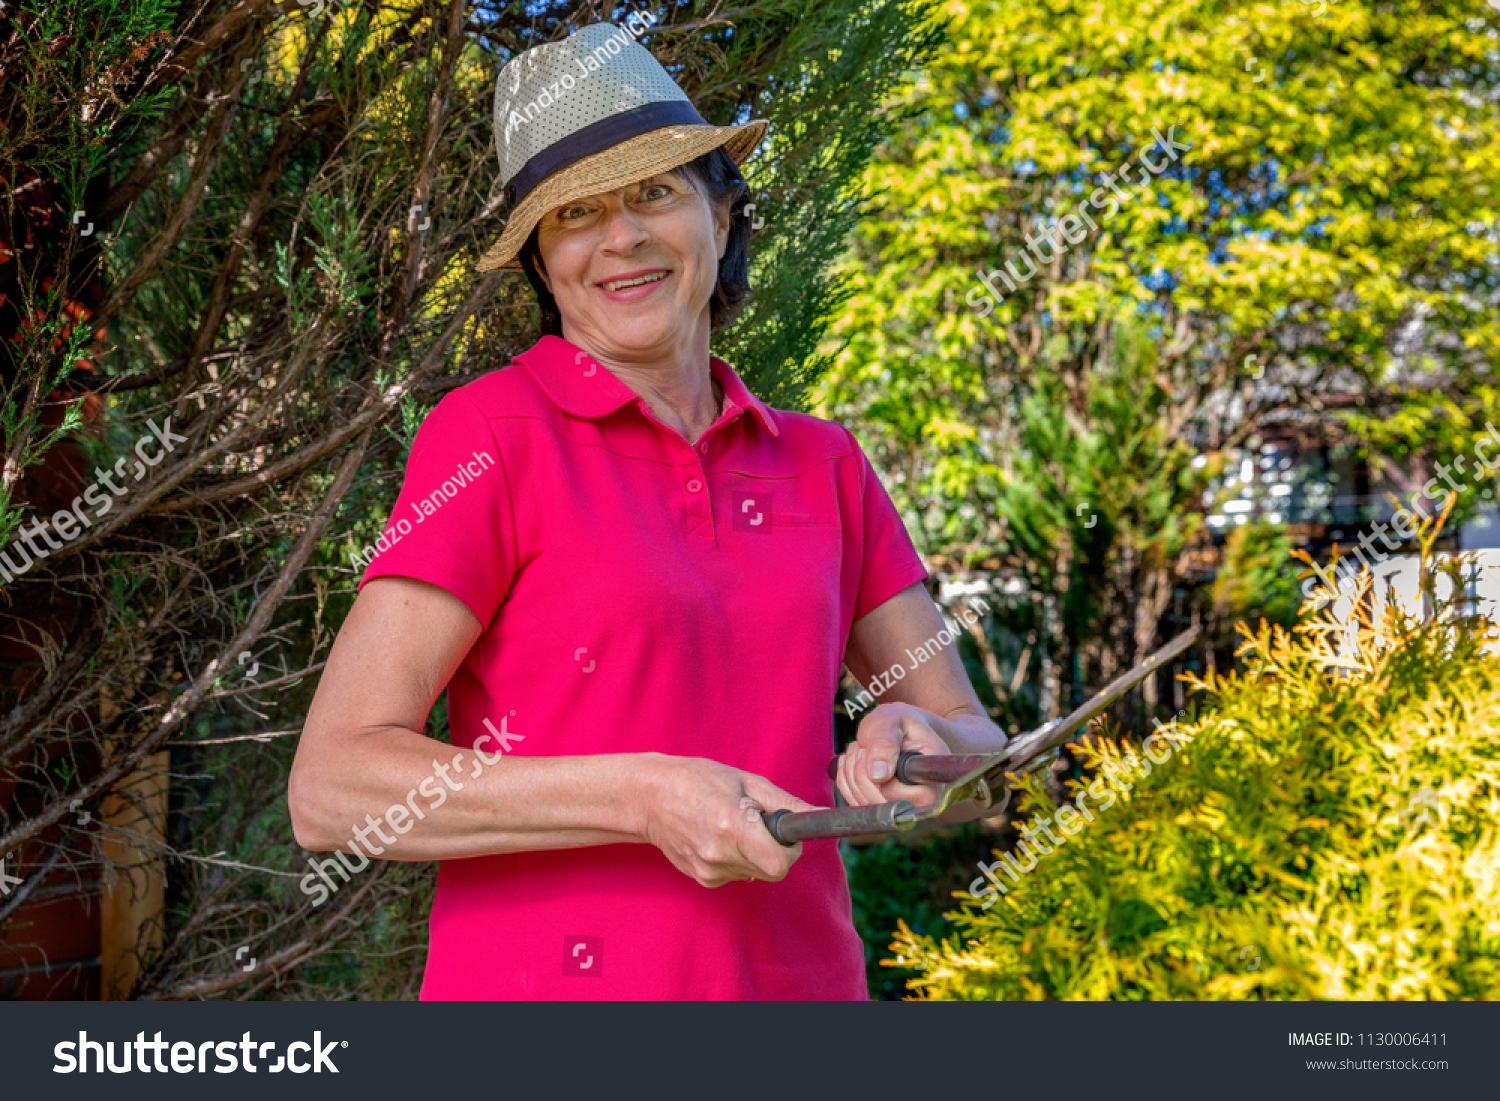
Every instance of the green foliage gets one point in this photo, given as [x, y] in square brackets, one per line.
[1328, 831]
[60, 120]
[1253, 582]
[1335, 217]
[257, 270]
[898, 879]
[57, 120]
[836, 64]
[1075, 489]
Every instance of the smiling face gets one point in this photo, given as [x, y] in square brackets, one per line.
[633, 270]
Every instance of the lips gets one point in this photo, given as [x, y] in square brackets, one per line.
[634, 279]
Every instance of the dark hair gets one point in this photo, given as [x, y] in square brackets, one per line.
[717, 178]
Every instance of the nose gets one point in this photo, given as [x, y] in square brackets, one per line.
[623, 232]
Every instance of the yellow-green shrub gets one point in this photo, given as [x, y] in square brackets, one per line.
[1287, 850]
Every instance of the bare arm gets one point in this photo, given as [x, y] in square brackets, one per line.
[932, 709]
[361, 754]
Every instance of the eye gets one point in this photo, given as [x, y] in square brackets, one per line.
[654, 191]
[572, 213]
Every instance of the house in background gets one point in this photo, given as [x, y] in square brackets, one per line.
[1325, 495]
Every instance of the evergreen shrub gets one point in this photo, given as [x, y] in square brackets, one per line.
[1327, 831]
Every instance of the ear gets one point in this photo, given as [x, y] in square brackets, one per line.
[721, 227]
[541, 270]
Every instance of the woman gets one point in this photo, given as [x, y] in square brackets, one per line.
[638, 584]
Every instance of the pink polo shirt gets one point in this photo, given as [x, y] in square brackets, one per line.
[640, 594]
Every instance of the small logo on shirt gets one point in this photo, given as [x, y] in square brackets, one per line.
[751, 510]
[578, 656]
[583, 956]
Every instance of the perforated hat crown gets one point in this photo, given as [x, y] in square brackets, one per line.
[589, 114]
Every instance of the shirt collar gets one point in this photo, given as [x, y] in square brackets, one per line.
[563, 372]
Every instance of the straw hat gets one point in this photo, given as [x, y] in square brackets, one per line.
[589, 114]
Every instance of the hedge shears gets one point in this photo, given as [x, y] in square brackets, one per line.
[979, 778]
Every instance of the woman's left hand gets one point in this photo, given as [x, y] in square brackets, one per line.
[867, 767]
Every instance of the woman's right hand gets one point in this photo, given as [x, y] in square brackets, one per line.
[706, 817]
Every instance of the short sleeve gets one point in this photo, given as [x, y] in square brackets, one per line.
[889, 561]
[453, 524]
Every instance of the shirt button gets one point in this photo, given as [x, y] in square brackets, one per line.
[694, 486]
